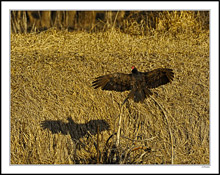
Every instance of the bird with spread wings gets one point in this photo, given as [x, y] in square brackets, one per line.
[139, 83]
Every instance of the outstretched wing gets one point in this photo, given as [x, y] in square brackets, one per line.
[158, 77]
[114, 82]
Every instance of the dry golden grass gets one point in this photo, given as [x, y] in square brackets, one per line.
[55, 111]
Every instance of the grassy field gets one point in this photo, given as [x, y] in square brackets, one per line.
[56, 114]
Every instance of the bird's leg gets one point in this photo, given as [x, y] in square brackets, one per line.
[130, 95]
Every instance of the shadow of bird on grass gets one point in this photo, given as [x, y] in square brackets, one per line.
[75, 130]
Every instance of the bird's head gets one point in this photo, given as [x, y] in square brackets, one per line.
[134, 69]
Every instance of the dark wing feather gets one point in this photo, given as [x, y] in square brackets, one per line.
[114, 82]
[158, 77]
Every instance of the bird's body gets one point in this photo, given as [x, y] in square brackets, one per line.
[139, 83]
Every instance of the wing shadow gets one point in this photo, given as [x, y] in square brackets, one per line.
[75, 130]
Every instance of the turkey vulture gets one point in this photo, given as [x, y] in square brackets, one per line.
[138, 82]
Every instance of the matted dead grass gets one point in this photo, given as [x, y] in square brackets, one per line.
[55, 112]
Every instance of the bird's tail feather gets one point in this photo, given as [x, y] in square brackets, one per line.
[139, 95]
